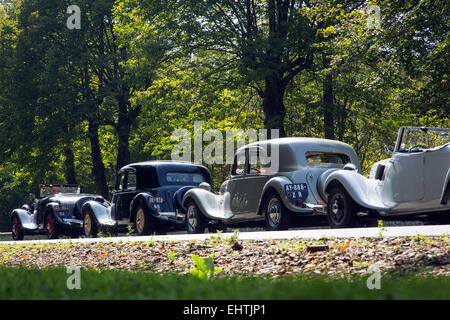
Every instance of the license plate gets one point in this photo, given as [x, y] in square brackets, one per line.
[296, 190]
[155, 200]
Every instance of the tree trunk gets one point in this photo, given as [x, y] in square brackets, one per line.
[328, 105]
[273, 105]
[123, 133]
[98, 168]
[69, 166]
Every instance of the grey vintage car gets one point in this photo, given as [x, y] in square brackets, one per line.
[271, 180]
[415, 180]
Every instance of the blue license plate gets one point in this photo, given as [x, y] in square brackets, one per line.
[296, 191]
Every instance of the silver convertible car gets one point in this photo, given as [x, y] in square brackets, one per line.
[415, 180]
[272, 180]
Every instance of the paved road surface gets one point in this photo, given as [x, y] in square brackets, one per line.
[418, 230]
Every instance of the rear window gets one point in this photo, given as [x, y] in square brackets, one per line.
[325, 159]
[184, 178]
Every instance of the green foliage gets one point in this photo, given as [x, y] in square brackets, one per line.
[203, 267]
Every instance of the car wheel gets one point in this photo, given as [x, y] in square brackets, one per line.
[340, 209]
[276, 214]
[195, 220]
[17, 232]
[51, 227]
[90, 227]
[142, 221]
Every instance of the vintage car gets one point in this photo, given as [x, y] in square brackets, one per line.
[270, 180]
[415, 180]
[56, 210]
[147, 198]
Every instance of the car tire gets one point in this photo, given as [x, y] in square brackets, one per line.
[142, 222]
[276, 214]
[51, 227]
[195, 219]
[90, 227]
[341, 209]
[17, 231]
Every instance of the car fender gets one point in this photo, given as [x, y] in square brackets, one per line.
[277, 184]
[213, 206]
[49, 209]
[26, 220]
[100, 211]
[178, 197]
[365, 192]
[446, 189]
[139, 198]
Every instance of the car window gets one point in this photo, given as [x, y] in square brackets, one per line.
[147, 177]
[184, 177]
[131, 181]
[239, 164]
[257, 163]
[325, 159]
[120, 182]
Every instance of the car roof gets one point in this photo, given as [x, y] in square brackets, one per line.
[306, 142]
[159, 164]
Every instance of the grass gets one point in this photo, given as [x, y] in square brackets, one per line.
[23, 283]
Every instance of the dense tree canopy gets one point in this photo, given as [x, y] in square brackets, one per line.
[77, 104]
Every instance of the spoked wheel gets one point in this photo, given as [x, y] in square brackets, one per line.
[195, 220]
[17, 232]
[142, 223]
[52, 227]
[276, 214]
[341, 210]
[90, 227]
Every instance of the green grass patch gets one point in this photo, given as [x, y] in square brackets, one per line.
[23, 283]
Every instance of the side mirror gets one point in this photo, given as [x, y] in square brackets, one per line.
[205, 186]
[26, 207]
[387, 150]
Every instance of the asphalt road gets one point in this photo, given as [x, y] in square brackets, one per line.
[397, 231]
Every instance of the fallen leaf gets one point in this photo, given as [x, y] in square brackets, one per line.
[344, 247]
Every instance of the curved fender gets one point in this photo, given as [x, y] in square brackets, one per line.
[140, 197]
[213, 206]
[362, 190]
[50, 208]
[101, 212]
[446, 189]
[178, 197]
[278, 184]
[26, 220]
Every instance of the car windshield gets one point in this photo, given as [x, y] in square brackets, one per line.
[50, 190]
[418, 139]
[184, 178]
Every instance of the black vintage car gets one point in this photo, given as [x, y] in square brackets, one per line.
[56, 210]
[146, 198]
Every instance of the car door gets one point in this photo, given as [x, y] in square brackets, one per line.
[405, 176]
[256, 179]
[124, 194]
[235, 185]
